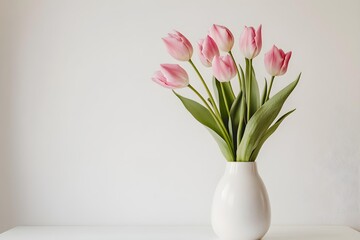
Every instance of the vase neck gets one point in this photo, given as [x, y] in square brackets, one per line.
[241, 168]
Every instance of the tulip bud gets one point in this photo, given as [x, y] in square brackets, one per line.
[276, 61]
[207, 51]
[251, 42]
[171, 76]
[223, 68]
[222, 36]
[178, 46]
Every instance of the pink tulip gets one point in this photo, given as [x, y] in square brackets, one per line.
[223, 68]
[207, 51]
[251, 42]
[171, 76]
[222, 36]
[178, 46]
[276, 61]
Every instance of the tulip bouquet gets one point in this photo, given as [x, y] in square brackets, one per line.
[242, 122]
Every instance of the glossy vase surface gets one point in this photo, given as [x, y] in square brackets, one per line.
[241, 208]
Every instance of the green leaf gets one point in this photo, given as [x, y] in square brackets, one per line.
[261, 121]
[224, 148]
[263, 97]
[268, 133]
[200, 113]
[255, 94]
[231, 132]
[237, 115]
[244, 93]
[247, 86]
[220, 100]
[242, 125]
[203, 115]
[235, 109]
[243, 80]
[229, 95]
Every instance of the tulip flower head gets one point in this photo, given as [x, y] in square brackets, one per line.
[222, 36]
[223, 68]
[251, 42]
[218, 110]
[207, 51]
[178, 46]
[276, 61]
[171, 76]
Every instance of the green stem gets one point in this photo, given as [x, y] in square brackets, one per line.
[248, 94]
[268, 93]
[206, 88]
[220, 123]
[237, 70]
[217, 113]
[202, 98]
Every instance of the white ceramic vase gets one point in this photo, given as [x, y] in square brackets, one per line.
[241, 208]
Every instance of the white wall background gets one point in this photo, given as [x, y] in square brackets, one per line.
[87, 138]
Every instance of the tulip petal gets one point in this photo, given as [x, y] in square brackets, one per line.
[186, 42]
[285, 63]
[171, 76]
[210, 48]
[207, 51]
[202, 57]
[222, 36]
[258, 41]
[219, 69]
[223, 68]
[247, 42]
[251, 42]
[160, 79]
[175, 75]
[273, 61]
[178, 46]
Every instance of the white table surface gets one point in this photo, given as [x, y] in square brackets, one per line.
[171, 233]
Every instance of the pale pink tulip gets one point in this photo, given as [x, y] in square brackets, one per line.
[276, 61]
[171, 76]
[223, 68]
[207, 51]
[178, 46]
[222, 36]
[251, 42]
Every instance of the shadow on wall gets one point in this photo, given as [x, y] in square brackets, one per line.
[6, 200]
[5, 155]
[6, 216]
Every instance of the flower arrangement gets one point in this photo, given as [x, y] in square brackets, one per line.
[242, 122]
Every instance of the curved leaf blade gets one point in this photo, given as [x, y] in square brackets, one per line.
[237, 115]
[242, 125]
[220, 97]
[255, 94]
[224, 148]
[200, 113]
[263, 96]
[229, 93]
[268, 133]
[235, 110]
[220, 100]
[243, 80]
[261, 121]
